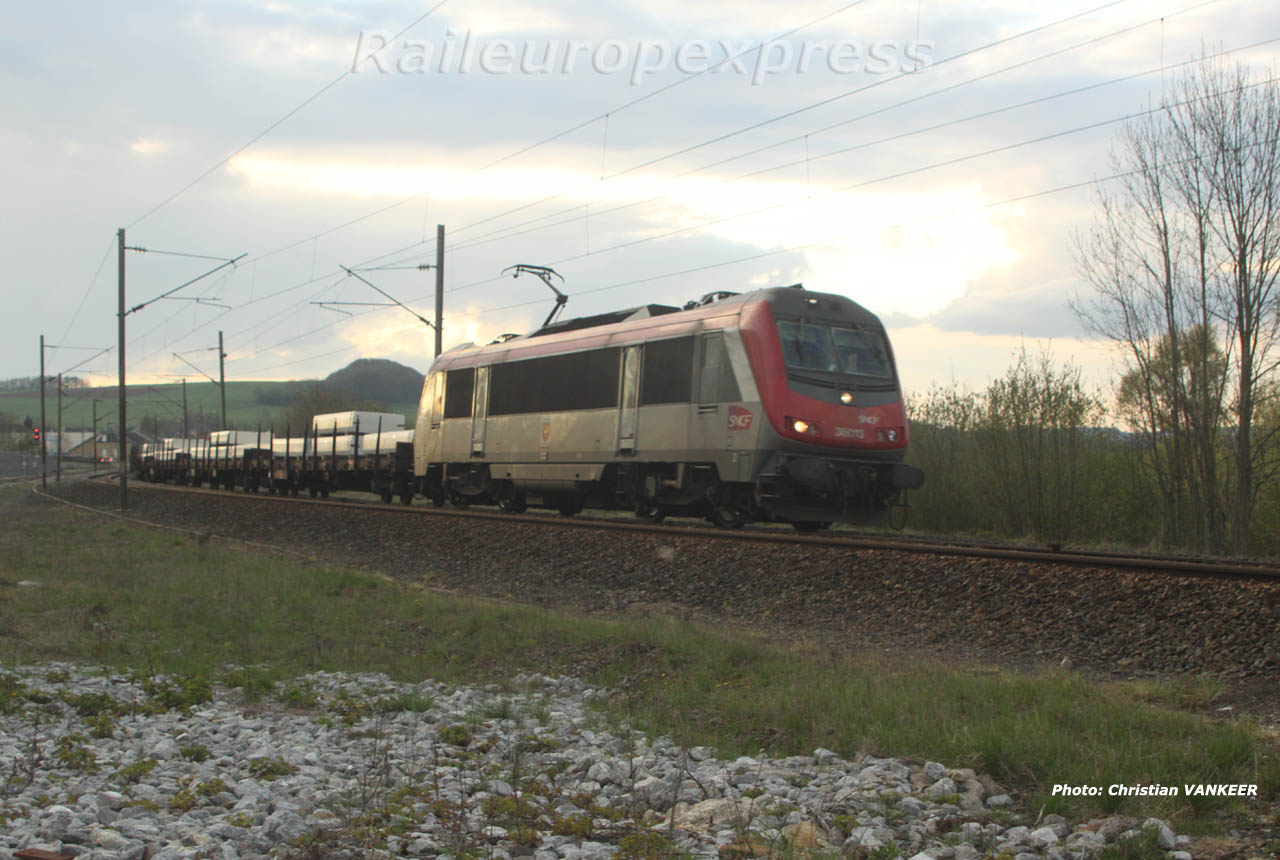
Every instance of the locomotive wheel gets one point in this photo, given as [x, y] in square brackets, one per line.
[386, 496]
[406, 497]
[650, 512]
[314, 492]
[512, 502]
[727, 518]
[324, 492]
[295, 491]
[808, 527]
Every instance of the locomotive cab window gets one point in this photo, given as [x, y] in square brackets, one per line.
[832, 349]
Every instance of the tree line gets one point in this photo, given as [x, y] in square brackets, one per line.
[1180, 266]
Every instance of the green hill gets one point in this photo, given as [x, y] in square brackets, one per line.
[250, 403]
[378, 379]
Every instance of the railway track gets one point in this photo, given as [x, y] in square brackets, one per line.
[1207, 568]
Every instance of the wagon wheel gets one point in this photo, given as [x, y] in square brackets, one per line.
[386, 495]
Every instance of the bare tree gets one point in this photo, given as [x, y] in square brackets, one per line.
[1182, 259]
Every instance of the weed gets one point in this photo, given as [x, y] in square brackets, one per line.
[499, 710]
[74, 755]
[268, 769]
[178, 693]
[189, 796]
[410, 700]
[196, 753]
[93, 704]
[644, 845]
[458, 735]
[301, 696]
[137, 770]
[1145, 846]
[101, 726]
[12, 694]
[572, 825]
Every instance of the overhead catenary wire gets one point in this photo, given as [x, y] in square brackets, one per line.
[811, 106]
[576, 127]
[1007, 201]
[514, 230]
[968, 52]
[259, 324]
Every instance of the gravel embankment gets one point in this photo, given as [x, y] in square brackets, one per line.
[98, 768]
[1014, 613]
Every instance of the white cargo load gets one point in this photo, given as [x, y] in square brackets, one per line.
[347, 423]
[334, 446]
[221, 438]
[291, 447]
[370, 443]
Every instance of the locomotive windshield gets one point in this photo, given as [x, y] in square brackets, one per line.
[835, 350]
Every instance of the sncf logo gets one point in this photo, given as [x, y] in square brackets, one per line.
[739, 418]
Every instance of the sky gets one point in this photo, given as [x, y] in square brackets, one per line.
[931, 160]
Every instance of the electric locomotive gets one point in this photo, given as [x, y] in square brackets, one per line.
[776, 405]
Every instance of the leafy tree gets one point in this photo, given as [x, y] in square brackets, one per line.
[1181, 256]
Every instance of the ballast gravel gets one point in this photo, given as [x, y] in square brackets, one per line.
[341, 765]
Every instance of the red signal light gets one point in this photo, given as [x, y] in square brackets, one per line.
[35, 434]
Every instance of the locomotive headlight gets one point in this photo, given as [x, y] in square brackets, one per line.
[889, 434]
[846, 397]
[801, 426]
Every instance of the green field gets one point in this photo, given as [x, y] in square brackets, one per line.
[245, 407]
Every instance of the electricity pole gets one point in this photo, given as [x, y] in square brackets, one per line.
[222, 379]
[124, 425]
[184, 408]
[59, 478]
[44, 448]
[95, 435]
[439, 285]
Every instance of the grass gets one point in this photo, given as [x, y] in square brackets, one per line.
[154, 602]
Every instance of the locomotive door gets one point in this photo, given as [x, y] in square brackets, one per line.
[629, 400]
[479, 411]
[708, 431]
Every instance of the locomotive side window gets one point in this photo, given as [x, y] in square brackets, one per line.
[716, 383]
[667, 376]
[557, 383]
[457, 392]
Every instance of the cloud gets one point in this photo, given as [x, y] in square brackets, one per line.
[147, 147]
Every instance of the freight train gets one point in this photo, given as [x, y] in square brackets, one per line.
[779, 405]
